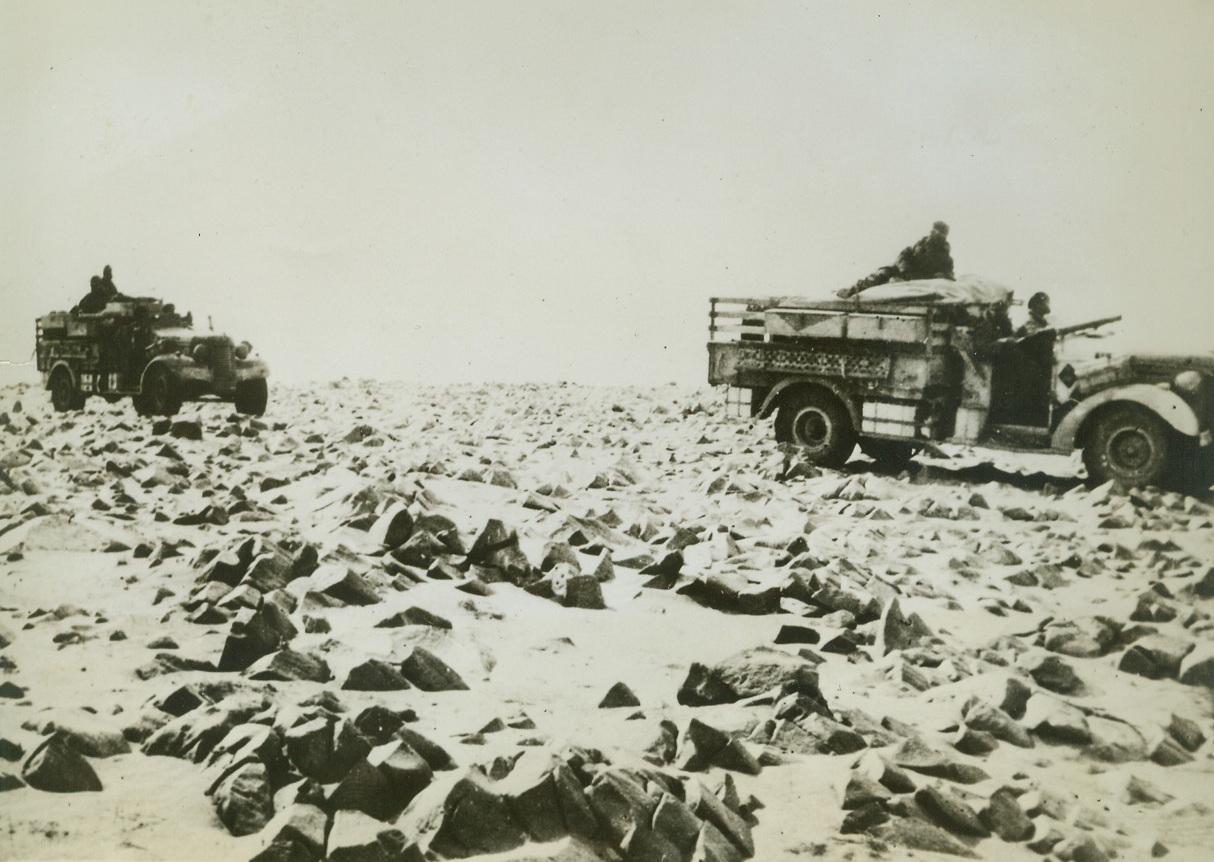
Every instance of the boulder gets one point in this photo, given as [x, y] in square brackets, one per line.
[195, 734]
[1086, 637]
[414, 616]
[89, 736]
[375, 675]
[1155, 656]
[583, 591]
[55, 766]
[476, 820]
[732, 593]
[717, 814]
[917, 756]
[429, 673]
[393, 528]
[406, 773]
[897, 631]
[1198, 666]
[1056, 675]
[919, 835]
[295, 833]
[286, 665]
[950, 811]
[1186, 732]
[256, 633]
[751, 672]
[325, 748]
[1004, 816]
[364, 788]
[1056, 721]
[993, 720]
[620, 803]
[342, 587]
[701, 746]
[619, 695]
[243, 800]
[355, 837]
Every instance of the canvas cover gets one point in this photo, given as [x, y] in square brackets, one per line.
[965, 290]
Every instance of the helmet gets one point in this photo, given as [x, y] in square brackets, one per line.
[1039, 302]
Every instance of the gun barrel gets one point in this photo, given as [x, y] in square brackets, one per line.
[1091, 324]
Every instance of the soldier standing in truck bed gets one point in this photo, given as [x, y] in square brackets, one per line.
[95, 300]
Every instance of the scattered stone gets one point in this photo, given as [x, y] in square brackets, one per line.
[1198, 666]
[429, 673]
[1139, 791]
[1186, 732]
[244, 800]
[375, 675]
[752, 672]
[919, 835]
[897, 631]
[286, 665]
[56, 767]
[619, 695]
[1056, 675]
[1004, 816]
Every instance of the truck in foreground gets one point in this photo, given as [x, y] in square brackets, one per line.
[142, 349]
[903, 365]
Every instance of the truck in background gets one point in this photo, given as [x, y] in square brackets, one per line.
[142, 349]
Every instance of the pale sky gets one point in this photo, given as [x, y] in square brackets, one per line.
[451, 191]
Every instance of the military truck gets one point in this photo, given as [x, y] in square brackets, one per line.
[901, 366]
[142, 348]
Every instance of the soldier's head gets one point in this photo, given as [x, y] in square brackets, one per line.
[1039, 304]
[95, 284]
[107, 273]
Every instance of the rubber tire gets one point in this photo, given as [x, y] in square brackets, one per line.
[64, 396]
[890, 455]
[818, 423]
[141, 404]
[160, 395]
[1128, 445]
[1192, 466]
[251, 397]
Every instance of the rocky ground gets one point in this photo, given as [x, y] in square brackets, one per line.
[553, 622]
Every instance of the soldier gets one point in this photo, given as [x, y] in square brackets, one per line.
[94, 301]
[1039, 309]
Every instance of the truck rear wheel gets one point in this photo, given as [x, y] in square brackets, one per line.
[819, 424]
[251, 397]
[64, 396]
[160, 395]
[1128, 445]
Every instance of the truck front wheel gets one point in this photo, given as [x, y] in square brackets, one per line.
[1128, 445]
[819, 424]
[64, 396]
[160, 395]
[251, 397]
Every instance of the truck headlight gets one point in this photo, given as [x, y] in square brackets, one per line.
[1187, 384]
[200, 353]
[243, 350]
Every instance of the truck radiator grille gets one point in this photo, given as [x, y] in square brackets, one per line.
[222, 366]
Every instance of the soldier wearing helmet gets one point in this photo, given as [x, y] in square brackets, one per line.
[1039, 309]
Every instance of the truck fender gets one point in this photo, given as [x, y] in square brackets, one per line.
[1164, 403]
[171, 361]
[849, 401]
[64, 364]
